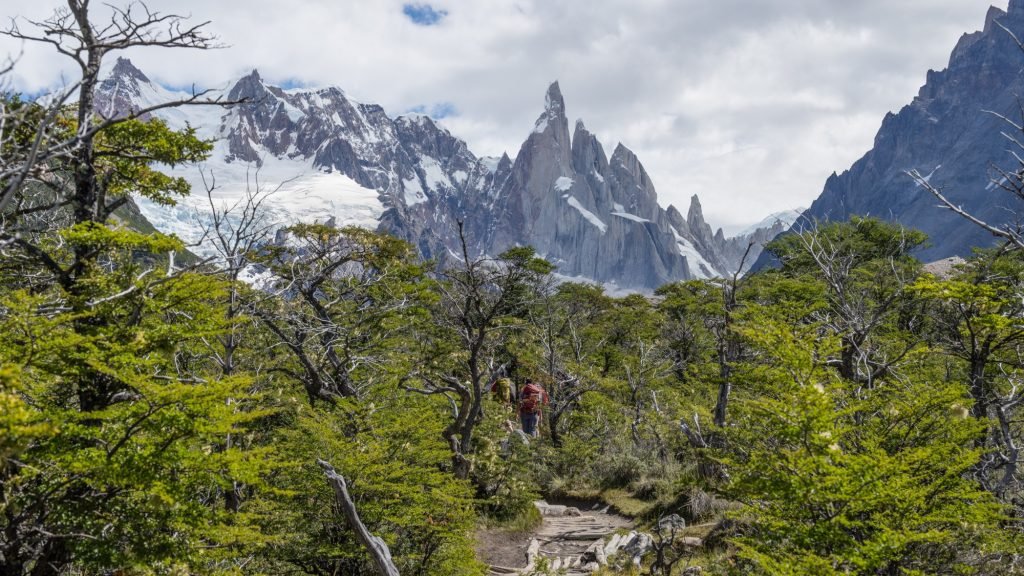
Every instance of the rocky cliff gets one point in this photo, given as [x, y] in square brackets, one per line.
[951, 134]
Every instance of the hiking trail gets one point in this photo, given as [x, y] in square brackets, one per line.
[569, 538]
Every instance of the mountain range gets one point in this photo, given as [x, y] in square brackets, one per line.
[323, 156]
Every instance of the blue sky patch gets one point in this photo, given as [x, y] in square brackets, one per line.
[436, 111]
[291, 83]
[423, 14]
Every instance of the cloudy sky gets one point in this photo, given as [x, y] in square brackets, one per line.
[749, 104]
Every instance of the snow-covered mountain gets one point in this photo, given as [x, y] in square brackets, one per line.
[326, 156]
[785, 218]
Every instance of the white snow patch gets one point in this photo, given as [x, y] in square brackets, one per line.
[301, 193]
[629, 216]
[992, 184]
[618, 207]
[927, 179]
[205, 119]
[434, 175]
[588, 215]
[563, 183]
[460, 176]
[598, 176]
[699, 266]
[413, 192]
[294, 114]
[258, 277]
[541, 126]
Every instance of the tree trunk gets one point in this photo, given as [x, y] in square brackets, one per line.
[553, 420]
[978, 386]
[376, 546]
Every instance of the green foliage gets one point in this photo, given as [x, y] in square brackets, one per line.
[503, 469]
[391, 453]
[861, 240]
[127, 474]
[126, 152]
[869, 400]
[842, 479]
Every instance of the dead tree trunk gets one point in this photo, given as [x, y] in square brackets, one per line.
[375, 545]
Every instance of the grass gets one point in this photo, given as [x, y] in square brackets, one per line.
[619, 500]
[526, 521]
[624, 503]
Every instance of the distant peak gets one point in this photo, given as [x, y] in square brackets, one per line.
[125, 69]
[554, 96]
[995, 13]
[696, 213]
[554, 109]
[249, 87]
[554, 104]
[622, 153]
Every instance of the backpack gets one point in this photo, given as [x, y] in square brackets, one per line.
[503, 390]
[531, 401]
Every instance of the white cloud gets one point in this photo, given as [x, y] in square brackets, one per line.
[751, 105]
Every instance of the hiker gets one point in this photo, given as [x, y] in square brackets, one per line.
[531, 401]
[502, 391]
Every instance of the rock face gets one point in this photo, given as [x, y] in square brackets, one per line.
[945, 134]
[594, 217]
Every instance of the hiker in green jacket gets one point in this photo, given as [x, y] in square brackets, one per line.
[502, 391]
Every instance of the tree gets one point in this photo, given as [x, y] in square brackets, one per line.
[483, 300]
[866, 268]
[103, 329]
[566, 322]
[347, 295]
[977, 321]
[836, 480]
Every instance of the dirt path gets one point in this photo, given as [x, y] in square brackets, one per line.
[563, 539]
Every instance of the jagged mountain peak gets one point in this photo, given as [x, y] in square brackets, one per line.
[554, 103]
[626, 158]
[553, 116]
[249, 87]
[409, 176]
[420, 121]
[994, 13]
[695, 207]
[695, 217]
[124, 69]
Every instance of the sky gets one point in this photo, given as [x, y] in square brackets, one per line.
[748, 104]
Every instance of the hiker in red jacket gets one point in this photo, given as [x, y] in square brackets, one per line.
[532, 400]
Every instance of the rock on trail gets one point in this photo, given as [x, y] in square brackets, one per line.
[571, 539]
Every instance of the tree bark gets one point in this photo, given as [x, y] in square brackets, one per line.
[376, 546]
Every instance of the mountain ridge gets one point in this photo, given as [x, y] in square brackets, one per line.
[946, 134]
[592, 215]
